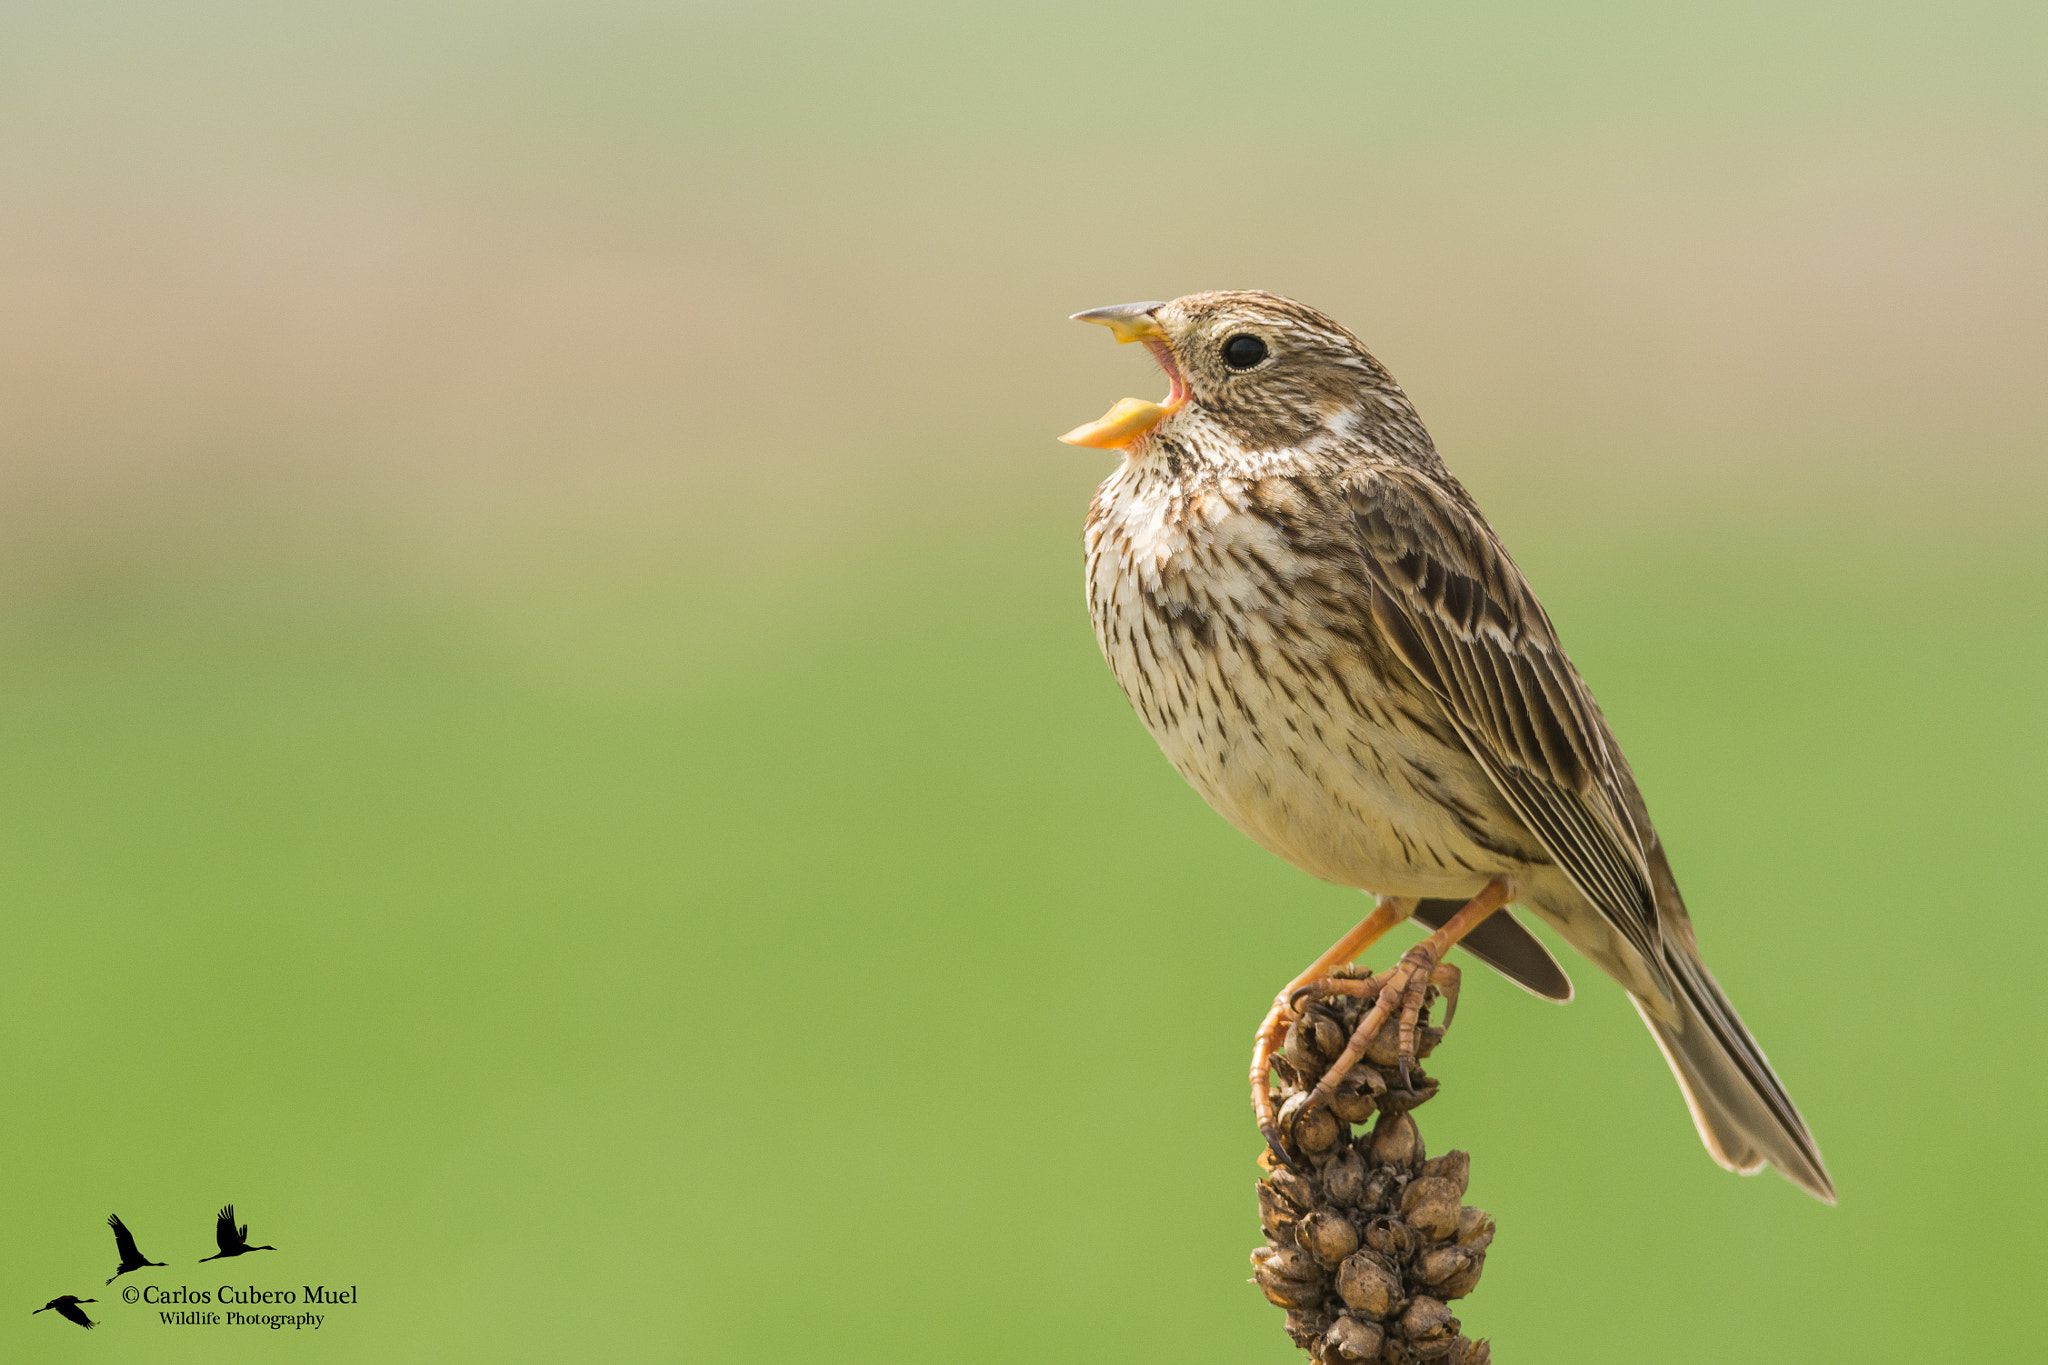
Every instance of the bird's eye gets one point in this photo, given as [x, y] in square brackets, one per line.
[1243, 351]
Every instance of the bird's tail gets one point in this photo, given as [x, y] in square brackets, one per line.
[1503, 944]
[1743, 1113]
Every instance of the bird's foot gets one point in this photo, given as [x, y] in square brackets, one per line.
[1286, 1013]
[1402, 994]
[1404, 991]
[1273, 1029]
[1272, 1033]
[1428, 975]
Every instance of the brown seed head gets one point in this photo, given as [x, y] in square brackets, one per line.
[1429, 1327]
[1369, 1283]
[1344, 1178]
[1277, 1216]
[1367, 1241]
[1475, 1228]
[1396, 1141]
[1439, 1264]
[1328, 1236]
[1294, 1188]
[1390, 1237]
[1455, 1167]
[1353, 1101]
[1464, 1281]
[1350, 1339]
[1430, 1206]
[1312, 1128]
[1467, 1352]
[1289, 1278]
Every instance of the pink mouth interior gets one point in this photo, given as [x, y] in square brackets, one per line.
[1178, 393]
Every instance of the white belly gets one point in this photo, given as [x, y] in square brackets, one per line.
[1298, 743]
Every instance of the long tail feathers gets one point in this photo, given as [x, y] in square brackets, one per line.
[1744, 1115]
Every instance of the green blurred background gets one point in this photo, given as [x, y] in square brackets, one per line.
[550, 749]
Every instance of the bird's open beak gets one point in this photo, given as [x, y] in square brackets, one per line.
[1130, 419]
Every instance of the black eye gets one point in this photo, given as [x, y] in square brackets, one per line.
[1243, 351]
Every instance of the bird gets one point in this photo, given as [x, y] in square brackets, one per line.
[67, 1307]
[1330, 643]
[234, 1241]
[124, 1242]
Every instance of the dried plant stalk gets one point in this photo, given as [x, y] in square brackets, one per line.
[1367, 1241]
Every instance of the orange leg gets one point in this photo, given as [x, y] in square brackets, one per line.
[1408, 985]
[1389, 912]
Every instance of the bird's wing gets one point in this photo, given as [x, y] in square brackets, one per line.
[224, 1229]
[1457, 611]
[124, 1240]
[76, 1314]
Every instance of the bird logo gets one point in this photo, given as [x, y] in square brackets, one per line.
[234, 1241]
[67, 1307]
[124, 1242]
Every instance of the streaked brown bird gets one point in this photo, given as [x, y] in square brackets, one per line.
[1318, 626]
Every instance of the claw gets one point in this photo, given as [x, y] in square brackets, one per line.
[1271, 1133]
[1446, 981]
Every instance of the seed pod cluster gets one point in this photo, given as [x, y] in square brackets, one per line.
[1367, 1237]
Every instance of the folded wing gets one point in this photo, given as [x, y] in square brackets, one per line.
[1454, 607]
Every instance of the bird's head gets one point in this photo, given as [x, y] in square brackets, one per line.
[1266, 372]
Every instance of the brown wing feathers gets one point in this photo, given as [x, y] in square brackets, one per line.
[1465, 621]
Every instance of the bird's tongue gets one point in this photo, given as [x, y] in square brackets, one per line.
[1131, 418]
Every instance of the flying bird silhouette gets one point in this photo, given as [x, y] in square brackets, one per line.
[124, 1242]
[233, 1240]
[67, 1306]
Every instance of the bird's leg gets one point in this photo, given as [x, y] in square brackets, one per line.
[1390, 911]
[1406, 987]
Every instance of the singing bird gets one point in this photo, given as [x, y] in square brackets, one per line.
[234, 1241]
[1330, 643]
[67, 1307]
[124, 1242]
